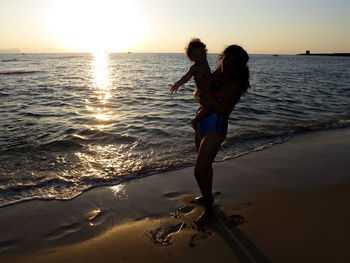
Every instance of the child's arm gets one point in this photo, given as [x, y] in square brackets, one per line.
[182, 81]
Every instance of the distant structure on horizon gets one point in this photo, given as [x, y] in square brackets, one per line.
[308, 53]
[10, 50]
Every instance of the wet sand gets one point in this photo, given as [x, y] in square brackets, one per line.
[287, 203]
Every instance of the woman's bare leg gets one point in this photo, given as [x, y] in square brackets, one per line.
[198, 139]
[209, 146]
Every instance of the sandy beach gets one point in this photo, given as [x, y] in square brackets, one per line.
[287, 203]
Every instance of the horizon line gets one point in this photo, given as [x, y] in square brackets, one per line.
[129, 52]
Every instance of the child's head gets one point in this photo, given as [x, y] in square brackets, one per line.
[196, 50]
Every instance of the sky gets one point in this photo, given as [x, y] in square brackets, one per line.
[260, 26]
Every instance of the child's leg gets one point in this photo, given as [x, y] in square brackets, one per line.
[202, 112]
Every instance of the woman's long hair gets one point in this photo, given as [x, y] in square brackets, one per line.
[242, 70]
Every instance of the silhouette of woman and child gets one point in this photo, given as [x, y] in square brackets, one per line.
[217, 93]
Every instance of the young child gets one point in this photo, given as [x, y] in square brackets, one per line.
[197, 52]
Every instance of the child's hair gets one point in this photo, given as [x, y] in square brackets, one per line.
[194, 43]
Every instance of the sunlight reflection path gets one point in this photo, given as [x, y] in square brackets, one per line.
[100, 161]
[102, 82]
[104, 160]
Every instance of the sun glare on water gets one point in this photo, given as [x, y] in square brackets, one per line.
[96, 26]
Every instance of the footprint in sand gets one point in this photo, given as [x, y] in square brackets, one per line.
[162, 235]
[182, 211]
[233, 219]
[236, 220]
[220, 222]
[173, 195]
[201, 234]
[243, 206]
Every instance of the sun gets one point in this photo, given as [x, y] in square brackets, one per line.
[96, 26]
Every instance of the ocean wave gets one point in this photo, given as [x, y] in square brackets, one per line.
[59, 188]
[69, 56]
[9, 60]
[343, 124]
[322, 126]
[40, 115]
[53, 182]
[50, 189]
[94, 135]
[244, 143]
[18, 72]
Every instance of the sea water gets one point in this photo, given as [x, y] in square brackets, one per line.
[70, 122]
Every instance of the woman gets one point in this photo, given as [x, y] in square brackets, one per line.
[231, 80]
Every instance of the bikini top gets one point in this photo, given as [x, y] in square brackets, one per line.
[219, 94]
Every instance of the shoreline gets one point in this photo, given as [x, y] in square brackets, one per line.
[299, 174]
[276, 226]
